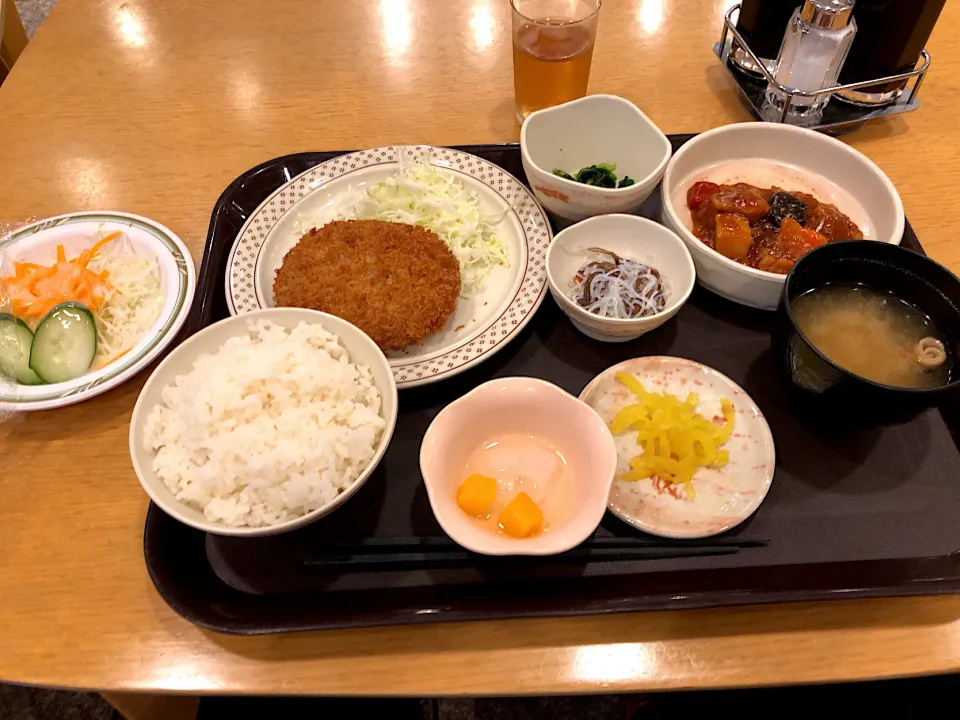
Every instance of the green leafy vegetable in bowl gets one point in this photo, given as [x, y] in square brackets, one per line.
[600, 175]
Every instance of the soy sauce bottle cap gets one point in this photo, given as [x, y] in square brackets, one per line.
[830, 14]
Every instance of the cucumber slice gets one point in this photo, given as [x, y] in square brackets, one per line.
[64, 344]
[15, 341]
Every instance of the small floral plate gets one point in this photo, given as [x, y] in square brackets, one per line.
[725, 496]
[484, 321]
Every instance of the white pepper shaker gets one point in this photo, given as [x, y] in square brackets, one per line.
[814, 48]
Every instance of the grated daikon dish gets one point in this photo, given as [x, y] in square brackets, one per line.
[621, 288]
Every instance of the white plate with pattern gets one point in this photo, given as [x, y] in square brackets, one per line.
[725, 496]
[37, 242]
[484, 320]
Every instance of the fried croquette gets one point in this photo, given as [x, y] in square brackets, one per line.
[398, 283]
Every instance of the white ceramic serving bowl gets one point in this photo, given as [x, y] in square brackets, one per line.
[37, 242]
[594, 129]
[805, 152]
[629, 236]
[526, 405]
[181, 361]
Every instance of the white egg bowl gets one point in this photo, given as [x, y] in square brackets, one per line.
[629, 236]
[592, 130]
[827, 168]
[518, 405]
[362, 350]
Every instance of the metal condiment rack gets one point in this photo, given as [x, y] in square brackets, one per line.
[838, 117]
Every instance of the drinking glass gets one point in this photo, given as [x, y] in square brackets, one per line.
[552, 49]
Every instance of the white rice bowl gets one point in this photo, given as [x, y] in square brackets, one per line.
[274, 424]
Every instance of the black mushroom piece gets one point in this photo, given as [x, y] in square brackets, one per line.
[783, 205]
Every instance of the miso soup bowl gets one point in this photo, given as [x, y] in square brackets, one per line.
[802, 153]
[519, 405]
[834, 394]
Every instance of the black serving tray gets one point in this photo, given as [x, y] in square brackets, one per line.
[850, 513]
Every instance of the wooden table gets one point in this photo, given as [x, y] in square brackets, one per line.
[153, 107]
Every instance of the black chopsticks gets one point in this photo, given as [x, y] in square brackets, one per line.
[410, 553]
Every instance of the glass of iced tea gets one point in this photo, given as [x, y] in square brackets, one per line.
[552, 49]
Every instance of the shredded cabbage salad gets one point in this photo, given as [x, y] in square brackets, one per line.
[132, 302]
[421, 194]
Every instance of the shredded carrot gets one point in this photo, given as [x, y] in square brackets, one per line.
[116, 357]
[34, 290]
[21, 269]
[87, 255]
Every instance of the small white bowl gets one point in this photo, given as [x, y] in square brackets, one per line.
[592, 130]
[524, 405]
[803, 153]
[629, 236]
[181, 361]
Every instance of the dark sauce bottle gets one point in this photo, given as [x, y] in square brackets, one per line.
[762, 24]
[891, 35]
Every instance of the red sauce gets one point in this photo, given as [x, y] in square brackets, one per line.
[767, 229]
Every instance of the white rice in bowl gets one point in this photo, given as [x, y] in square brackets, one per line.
[272, 426]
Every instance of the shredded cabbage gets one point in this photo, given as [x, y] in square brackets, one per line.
[421, 194]
[132, 302]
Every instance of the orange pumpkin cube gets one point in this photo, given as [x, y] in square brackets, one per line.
[476, 495]
[521, 517]
[733, 236]
[793, 240]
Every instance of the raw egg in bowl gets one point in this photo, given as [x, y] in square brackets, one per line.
[518, 466]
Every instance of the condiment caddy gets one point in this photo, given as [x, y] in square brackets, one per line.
[838, 118]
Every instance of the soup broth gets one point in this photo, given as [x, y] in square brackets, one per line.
[874, 335]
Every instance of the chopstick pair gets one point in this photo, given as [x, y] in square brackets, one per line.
[407, 553]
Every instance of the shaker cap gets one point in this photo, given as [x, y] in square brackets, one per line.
[830, 14]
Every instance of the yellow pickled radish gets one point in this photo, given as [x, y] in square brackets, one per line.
[675, 438]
